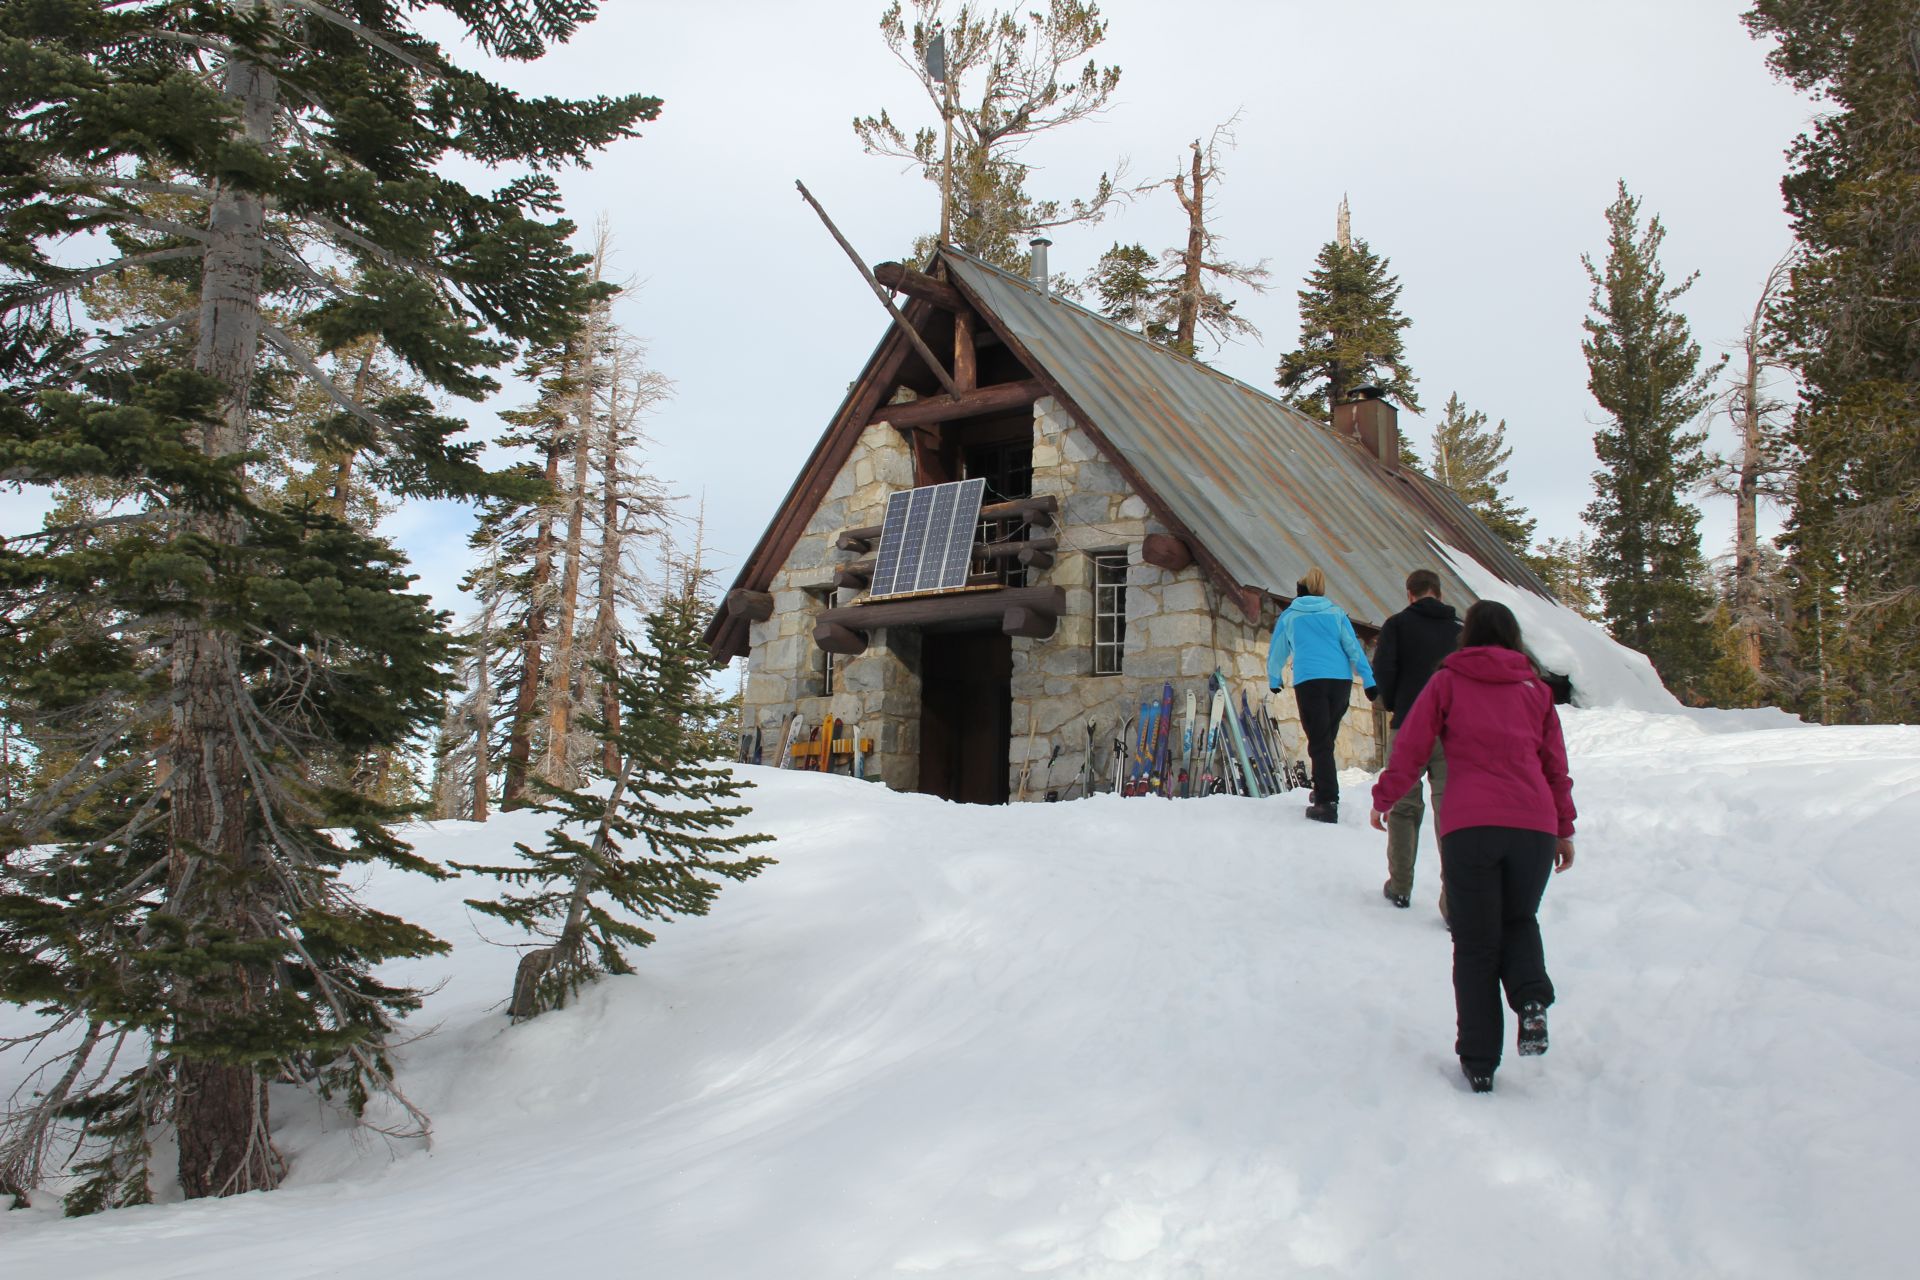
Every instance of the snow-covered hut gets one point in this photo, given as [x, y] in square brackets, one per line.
[1145, 519]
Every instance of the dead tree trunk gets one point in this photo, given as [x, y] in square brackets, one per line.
[1187, 323]
[526, 701]
[561, 675]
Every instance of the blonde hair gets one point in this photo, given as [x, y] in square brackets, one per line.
[1314, 581]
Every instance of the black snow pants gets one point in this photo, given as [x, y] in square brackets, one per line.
[1495, 878]
[1322, 704]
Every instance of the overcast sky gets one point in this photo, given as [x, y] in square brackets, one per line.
[1478, 142]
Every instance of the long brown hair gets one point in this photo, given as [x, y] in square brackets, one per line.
[1489, 622]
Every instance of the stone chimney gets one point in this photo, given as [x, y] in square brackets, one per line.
[1370, 418]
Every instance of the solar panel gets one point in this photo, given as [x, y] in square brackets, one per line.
[926, 540]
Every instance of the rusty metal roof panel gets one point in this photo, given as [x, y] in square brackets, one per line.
[1269, 491]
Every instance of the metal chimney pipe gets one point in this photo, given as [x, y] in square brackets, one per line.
[1038, 264]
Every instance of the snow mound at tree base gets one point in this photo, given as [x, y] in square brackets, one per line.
[1149, 1038]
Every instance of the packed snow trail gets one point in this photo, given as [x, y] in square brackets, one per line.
[1154, 1038]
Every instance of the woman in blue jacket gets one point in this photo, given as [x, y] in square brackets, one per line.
[1326, 655]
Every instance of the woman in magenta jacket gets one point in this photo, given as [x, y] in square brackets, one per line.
[1505, 824]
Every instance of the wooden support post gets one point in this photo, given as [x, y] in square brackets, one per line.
[966, 363]
[854, 576]
[838, 639]
[879, 291]
[755, 606]
[1165, 552]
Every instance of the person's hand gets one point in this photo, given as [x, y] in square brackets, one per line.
[1378, 821]
[1275, 688]
[1372, 693]
[1562, 854]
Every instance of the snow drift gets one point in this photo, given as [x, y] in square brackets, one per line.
[1149, 1038]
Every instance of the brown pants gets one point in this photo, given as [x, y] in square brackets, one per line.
[1403, 820]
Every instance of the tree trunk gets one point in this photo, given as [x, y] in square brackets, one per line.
[560, 676]
[343, 470]
[483, 717]
[604, 628]
[1186, 332]
[1746, 515]
[527, 699]
[214, 882]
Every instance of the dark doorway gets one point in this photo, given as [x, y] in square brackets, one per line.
[966, 715]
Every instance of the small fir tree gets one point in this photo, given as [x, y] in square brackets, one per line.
[651, 841]
[1643, 367]
[1350, 331]
[1470, 458]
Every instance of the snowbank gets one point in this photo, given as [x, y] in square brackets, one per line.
[1147, 1038]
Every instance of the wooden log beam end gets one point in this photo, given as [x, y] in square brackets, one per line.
[755, 606]
[834, 638]
[1024, 620]
[1164, 551]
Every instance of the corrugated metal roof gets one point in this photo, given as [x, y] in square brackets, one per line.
[1268, 491]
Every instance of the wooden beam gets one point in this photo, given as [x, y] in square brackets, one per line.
[966, 360]
[1166, 552]
[1024, 620]
[1021, 550]
[913, 334]
[958, 606]
[855, 575]
[997, 398]
[1037, 510]
[838, 639]
[917, 284]
[756, 606]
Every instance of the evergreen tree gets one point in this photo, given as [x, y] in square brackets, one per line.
[1008, 79]
[173, 889]
[1847, 324]
[1567, 566]
[1643, 367]
[1470, 458]
[650, 841]
[1350, 327]
[1176, 298]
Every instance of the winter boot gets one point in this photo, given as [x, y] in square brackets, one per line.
[1533, 1029]
[1478, 1083]
[1324, 811]
[1400, 900]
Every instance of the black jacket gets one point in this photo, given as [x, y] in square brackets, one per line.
[1412, 642]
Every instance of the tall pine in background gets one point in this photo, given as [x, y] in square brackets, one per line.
[1643, 367]
[187, 659]
[1848, 320]
[1350, 331]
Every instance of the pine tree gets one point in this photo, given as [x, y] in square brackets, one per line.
[1847, 325]
[1643, 367]
[653, 840]
[1567, 566]
[173, 893]
[1008, 80]
[1470, 458]
[1350, 331]
[1176, 298]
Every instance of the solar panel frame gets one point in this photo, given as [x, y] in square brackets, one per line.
[926, 538]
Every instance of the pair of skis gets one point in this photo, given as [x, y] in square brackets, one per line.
[797, 733]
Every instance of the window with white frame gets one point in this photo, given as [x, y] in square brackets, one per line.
[1109, 611]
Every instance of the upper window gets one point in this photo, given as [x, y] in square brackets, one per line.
[1109, 611]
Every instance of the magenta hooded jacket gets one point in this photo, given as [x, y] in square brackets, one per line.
[1506, 760]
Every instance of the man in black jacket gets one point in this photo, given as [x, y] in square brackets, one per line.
[1412, 643]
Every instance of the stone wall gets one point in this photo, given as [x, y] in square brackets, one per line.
[1179, 628]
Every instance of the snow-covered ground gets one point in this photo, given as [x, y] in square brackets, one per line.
[1149, 1038]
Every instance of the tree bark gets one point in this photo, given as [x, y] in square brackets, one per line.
[215, 883]
[558, 767]
[1186, 330]
[527, 698]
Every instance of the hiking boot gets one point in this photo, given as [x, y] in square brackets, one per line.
[1478, 1083]
[1324, 811]
[1401, 900]
[1533, 1029]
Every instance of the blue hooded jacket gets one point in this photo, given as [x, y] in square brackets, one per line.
[1318, 635]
